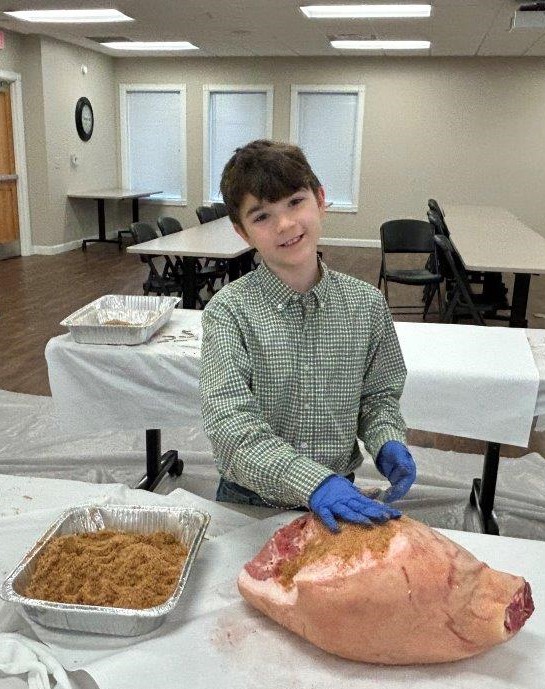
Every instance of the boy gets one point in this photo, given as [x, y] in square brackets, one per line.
[298, 361]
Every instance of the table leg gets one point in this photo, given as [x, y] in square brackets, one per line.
[101, 228]
[519, 302]
[484, 490]
[189, 281]
[233, 268]
[135, 215]
[157, 465]
[245, 262]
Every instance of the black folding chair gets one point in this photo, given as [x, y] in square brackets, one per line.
[460, 300]
[164, 282]
[206, 214]
[407, 236]
[205, 275]
[220, 209]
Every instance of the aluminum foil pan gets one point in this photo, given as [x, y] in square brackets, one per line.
[120, 319]
[187, 524]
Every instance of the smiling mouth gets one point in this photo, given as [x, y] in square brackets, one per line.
[293, 241]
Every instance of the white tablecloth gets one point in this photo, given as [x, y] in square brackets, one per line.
[469, 381]
[462, 380]
[213, 638]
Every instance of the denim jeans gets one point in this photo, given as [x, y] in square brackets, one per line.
[228, 491]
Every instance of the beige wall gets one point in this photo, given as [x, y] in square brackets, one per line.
[12, 55]
[461, 130]
[63, 84]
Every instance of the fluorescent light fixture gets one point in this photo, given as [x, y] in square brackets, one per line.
[150, 45]
[70, 16]
[381, 45]
[365, 11]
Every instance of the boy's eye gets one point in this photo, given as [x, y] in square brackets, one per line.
[296, 200]
[260, 217]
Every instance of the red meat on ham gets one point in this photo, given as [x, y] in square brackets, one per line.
[399, 593]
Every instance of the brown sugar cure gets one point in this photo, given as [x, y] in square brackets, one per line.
[109, 568]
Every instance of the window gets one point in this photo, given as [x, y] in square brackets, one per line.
[232, 117]
[153, 140]
[327, 123]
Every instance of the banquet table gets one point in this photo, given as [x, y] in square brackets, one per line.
[102, 195]
[492, 239]
[468, 381]
[213, 637]
[215, 239]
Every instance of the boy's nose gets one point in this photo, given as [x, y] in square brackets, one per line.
[284, 223]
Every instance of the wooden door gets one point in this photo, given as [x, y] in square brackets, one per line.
[9, 218]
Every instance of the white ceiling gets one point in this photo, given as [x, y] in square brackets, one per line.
[246, 28]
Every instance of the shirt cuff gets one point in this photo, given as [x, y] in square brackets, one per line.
[302, 478]
[373, 446]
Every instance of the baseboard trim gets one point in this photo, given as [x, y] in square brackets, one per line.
[67, 246]
[354, 243]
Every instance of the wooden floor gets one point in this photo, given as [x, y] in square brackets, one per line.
[37, 292]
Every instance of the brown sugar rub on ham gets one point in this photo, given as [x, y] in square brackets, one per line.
[397, 594]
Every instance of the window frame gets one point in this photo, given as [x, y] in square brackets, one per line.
[356, 89]
[124, 90]
[208, 90]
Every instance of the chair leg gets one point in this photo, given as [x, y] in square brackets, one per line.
[386, 290]
[381, 274]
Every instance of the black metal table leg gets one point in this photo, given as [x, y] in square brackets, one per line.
[484, 490]
[101, 228]
[519, 301]
[245, 262]
[233, 268]
[157, 464]
[189, 281]
[135, 216]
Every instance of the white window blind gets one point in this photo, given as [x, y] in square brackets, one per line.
[154, 146]
[327, 125]
[233, 118]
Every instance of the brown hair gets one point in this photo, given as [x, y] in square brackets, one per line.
[269, 170]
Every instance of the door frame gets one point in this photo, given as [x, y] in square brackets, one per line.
[16, 98]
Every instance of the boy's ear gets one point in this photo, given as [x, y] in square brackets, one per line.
[320, 198]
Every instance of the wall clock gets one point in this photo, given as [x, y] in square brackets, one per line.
[85, 119]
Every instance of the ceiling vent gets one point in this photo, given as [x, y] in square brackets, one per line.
[529, 16]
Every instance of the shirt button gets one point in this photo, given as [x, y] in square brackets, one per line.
[280, 307]
[306, 367]
[303, 446]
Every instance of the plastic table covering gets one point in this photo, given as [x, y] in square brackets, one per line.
[214, 638]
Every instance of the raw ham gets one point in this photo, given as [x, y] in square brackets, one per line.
[399, 593]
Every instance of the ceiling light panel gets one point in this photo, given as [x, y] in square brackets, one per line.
[365, 11]
[92, 16]
[150, 45]
[381, 45]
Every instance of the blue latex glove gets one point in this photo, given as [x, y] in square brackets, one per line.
[338, 497]
[395, 462]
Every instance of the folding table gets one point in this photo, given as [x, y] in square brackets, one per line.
[485, 386]
[117, 195]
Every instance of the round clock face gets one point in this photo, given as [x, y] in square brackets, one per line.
[84, 119]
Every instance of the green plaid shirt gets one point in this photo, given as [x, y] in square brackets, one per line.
[289, 381]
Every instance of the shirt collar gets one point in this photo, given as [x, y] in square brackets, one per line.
[281, 295]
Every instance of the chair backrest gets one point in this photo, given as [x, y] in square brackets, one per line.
[168, 225]
[438, 222]
[142, 232]
[206, 214]
[407, 236]
[436, 208]
[451, 265]
[221, 209]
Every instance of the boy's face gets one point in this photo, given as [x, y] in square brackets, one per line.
[285, 232]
